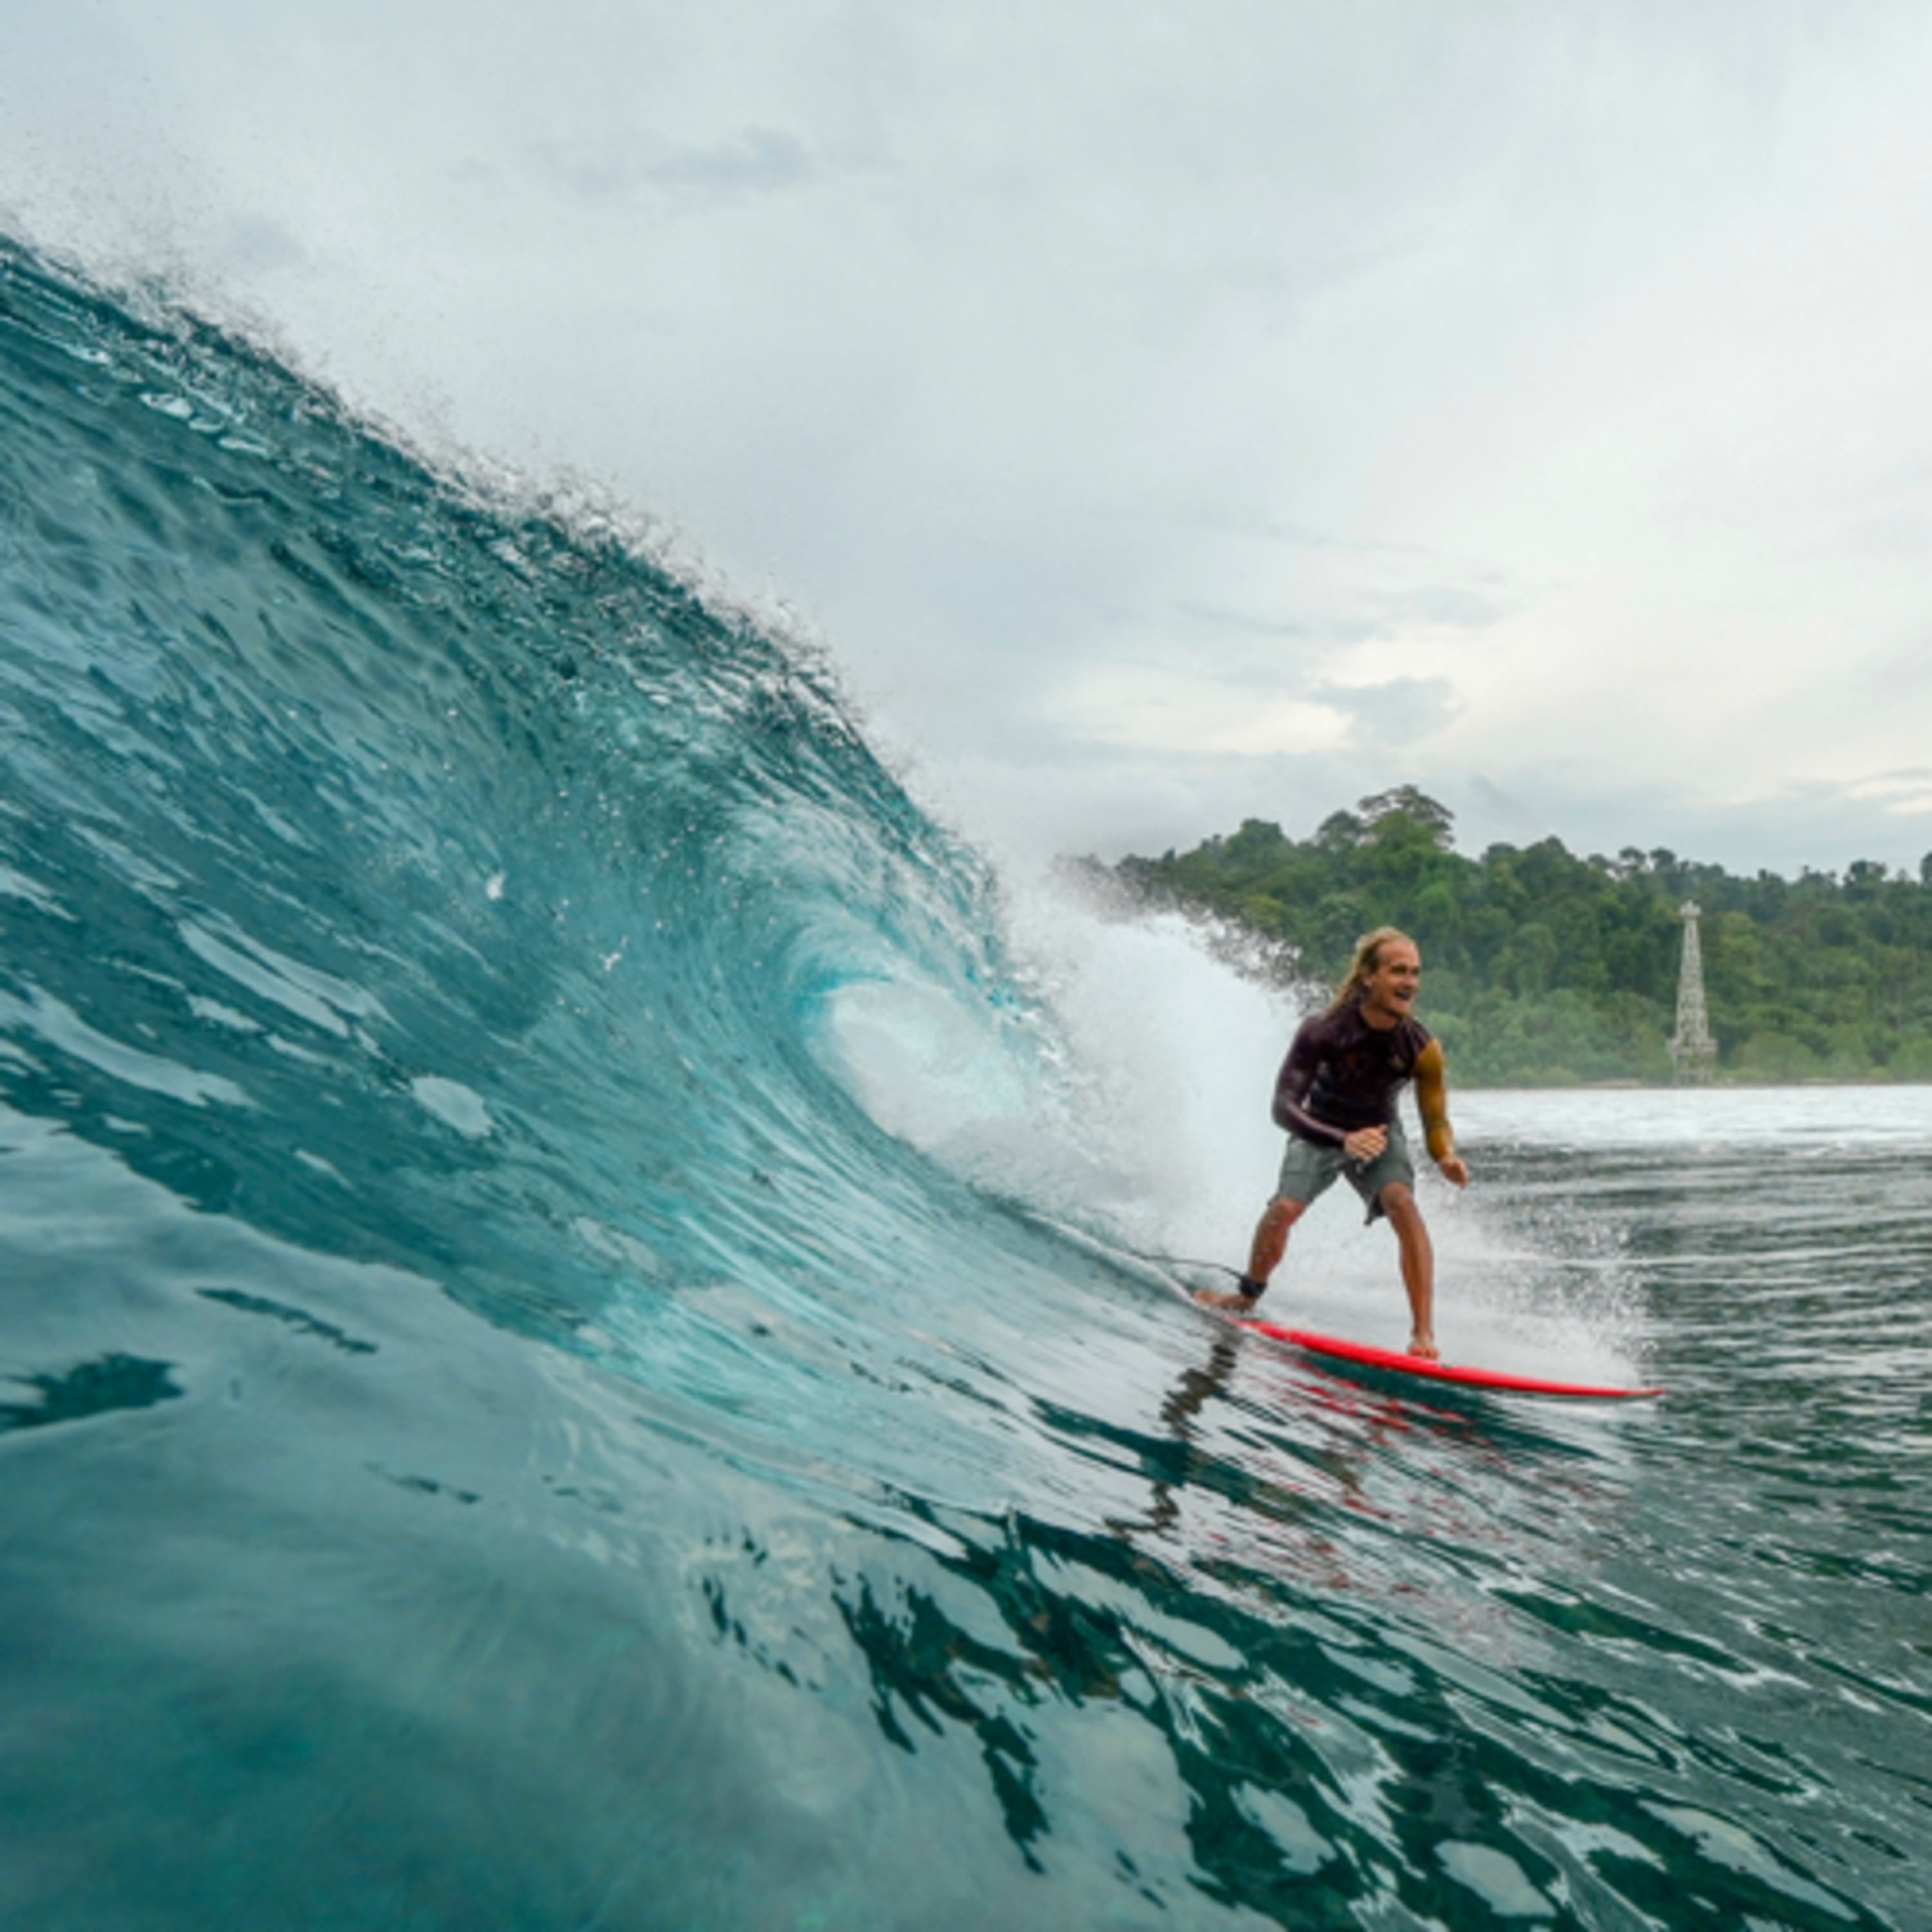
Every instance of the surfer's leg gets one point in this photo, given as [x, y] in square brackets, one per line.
[1264, 1254]
[1307, 1171]
[1270, 1241]
[1418, 1264]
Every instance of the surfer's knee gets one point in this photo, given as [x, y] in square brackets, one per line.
[1397, 1200]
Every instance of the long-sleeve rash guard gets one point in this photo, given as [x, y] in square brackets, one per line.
[1342, 1073]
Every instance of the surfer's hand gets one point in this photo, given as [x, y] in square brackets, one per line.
[1452, 1170]
[1365, 1143]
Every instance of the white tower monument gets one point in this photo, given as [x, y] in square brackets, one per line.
[1692, 1049]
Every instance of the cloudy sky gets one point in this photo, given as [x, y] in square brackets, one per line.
[1165, 413]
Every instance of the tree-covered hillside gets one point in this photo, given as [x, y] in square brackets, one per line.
[1541, 967]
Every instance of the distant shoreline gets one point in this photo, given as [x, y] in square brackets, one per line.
[1544, 969]
[1722, 1085]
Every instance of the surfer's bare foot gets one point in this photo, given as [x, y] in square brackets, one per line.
[1424, 1346]
[1234, 1301]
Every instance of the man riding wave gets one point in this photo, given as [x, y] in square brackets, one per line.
[1336, 1097]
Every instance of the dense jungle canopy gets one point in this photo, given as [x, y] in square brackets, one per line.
[1543, 968]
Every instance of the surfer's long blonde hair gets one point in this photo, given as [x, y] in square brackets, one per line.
[1368, 957]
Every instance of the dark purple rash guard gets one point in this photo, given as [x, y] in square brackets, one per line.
[1342, 1073]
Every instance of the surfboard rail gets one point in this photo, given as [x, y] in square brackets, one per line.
[1363, 1354]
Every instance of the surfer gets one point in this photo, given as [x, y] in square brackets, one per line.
[1336, 1097]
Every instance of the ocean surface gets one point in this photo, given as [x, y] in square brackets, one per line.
[585, 1334]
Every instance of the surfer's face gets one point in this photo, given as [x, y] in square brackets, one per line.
[1390, 990]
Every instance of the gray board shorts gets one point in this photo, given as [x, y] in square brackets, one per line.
[1308, 1169]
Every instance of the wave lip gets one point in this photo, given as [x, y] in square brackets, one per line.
[446, 838]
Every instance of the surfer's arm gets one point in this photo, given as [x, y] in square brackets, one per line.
[1291, 1088]
[1432, 1102]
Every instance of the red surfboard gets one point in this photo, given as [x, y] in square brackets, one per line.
[1359, 1354]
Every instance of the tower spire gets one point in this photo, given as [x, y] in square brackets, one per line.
[1692, 1049]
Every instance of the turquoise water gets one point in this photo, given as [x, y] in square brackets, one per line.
[560, 1369]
